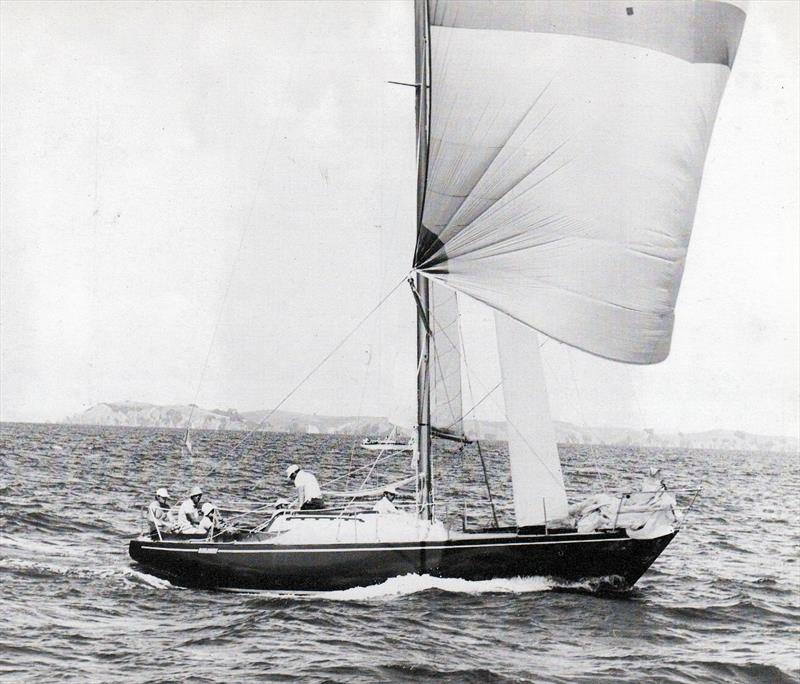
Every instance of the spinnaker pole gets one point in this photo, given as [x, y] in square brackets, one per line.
[424, 469]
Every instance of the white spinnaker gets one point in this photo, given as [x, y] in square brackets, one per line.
[567, 144]
[535, 465]
[446, 402]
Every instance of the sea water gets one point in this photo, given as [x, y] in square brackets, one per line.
[722, 604]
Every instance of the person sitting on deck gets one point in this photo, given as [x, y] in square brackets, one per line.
[653, 491]
[653, 482]
[309, 495]
[211, 520]
[385, 505]
[189, 514]
[159, 516]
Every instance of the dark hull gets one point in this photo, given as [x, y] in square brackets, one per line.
[262, 566]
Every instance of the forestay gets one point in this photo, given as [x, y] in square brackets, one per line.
[567, 143]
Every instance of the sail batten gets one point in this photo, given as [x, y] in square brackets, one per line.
[567, 143]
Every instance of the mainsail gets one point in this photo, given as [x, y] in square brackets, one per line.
[566, 148]
[539, 493]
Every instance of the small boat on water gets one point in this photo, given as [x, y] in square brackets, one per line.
[389, 443]
[560, 151]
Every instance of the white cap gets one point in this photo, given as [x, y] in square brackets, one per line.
[207, 508]
[196, 491]
[292, 469]
[162, 492]
[391, 489]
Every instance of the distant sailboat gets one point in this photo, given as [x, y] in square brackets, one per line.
[186, 446]
[560, 152]
[389, 443]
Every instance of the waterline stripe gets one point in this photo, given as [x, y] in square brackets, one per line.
[390, 548]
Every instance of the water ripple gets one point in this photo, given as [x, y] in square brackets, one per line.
[721, 605]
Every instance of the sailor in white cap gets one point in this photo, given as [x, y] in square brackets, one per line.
[210, 518]
[159, 516]
[309, 495]
[385, 504]
[189, 513]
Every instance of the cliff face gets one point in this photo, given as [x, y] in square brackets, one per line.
[138, 414]
[732, 440]
[288, 421]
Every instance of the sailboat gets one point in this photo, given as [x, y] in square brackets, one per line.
[560, 151]
[389, 443]
[186, 445]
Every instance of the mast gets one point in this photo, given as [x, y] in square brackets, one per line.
[424, 474]
[424, 470]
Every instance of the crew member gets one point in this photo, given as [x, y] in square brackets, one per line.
[189, 513]
[309, 495]
[159, 516]
[653, 482]
[210, 518]
[385, 505]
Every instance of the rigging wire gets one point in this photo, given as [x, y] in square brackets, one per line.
[246, 225]
[308, 375]
[460, 345]
[519, 432]
[488, 489]
[361, 486]
[478, 441]
[533, 451]
[360, 408]
[381, 459]
[474, 406]
[601, 475]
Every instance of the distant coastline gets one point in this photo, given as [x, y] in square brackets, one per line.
[140, 414]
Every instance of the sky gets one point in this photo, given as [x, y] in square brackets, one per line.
[199, 201]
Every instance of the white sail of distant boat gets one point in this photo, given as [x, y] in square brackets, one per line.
[560, 150]
[392, 442]
[186, 446]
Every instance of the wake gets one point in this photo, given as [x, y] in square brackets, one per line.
[406, 585]
[51, 548]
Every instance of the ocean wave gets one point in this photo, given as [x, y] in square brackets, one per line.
[130, 576]
[42, 568]
[430, 673]
[138, 578]
[719, 605]
[611, 585]
[45, 521]
[735, 611]
[748, 672]
[52, 548]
